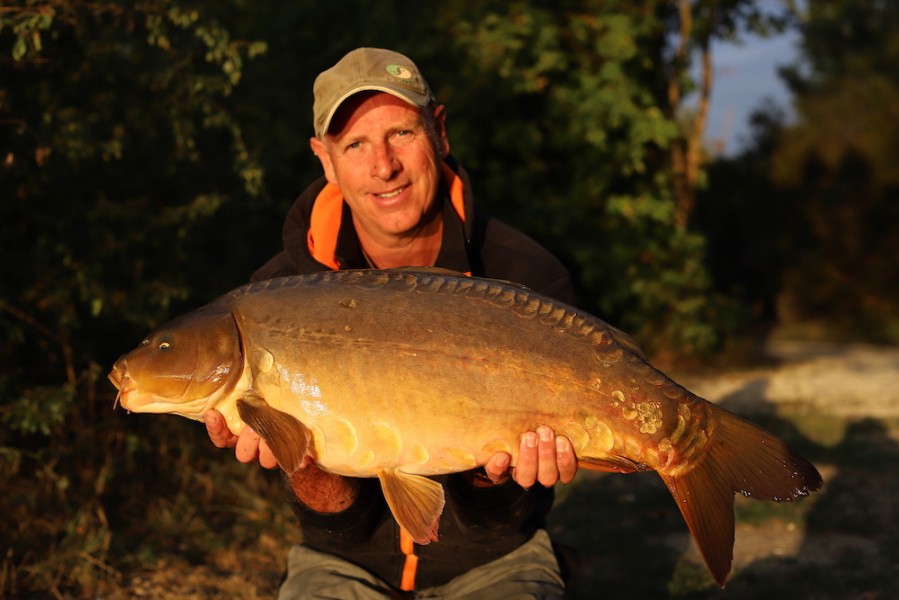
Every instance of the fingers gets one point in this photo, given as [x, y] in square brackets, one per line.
[248, 446]
[266, 458]
[218, 430]
[544, 458]
[566, 460]
[525, 472]
[497, 467]
[247, 449]
[547, 469]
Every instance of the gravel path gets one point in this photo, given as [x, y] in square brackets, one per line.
[848, 380]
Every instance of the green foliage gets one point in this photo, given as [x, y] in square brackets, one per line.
[573, 99]
[38, 410]
[823, 188]
[119, 156]
[119, 146]
[688, 578]
[27, 24]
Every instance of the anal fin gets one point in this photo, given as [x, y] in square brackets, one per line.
[415, 501]
[288, 439]
[610, 464]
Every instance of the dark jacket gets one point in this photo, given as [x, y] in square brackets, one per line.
[478, 524]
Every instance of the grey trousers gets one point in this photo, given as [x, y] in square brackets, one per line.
[528, 572]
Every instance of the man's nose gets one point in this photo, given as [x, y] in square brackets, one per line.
[384, 162]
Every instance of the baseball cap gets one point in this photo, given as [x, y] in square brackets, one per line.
[367, 69]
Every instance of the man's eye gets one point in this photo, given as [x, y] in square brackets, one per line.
[354, 146]
[403, 136]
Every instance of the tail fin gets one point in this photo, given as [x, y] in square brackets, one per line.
[741, 458]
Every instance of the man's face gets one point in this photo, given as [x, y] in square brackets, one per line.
[386, 160]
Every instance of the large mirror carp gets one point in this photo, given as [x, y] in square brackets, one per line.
[405, 373]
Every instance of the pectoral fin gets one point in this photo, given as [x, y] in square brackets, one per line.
[415, 501]
[288, 439]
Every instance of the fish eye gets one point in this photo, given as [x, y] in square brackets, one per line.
[164, 344]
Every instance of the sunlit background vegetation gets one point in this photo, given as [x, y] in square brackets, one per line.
[149, 150]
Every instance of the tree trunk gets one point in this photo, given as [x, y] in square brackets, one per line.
[686, 153]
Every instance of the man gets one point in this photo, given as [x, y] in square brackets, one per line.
[392, 196]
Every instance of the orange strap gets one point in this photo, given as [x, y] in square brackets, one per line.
[327, 211]
[456, 190]
[410, 566]
[324, 225]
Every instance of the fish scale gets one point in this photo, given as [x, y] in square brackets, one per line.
[407, 373]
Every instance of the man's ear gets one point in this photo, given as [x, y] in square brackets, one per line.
[320, 149]
[443, 145]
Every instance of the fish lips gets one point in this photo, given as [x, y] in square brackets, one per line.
[118, 376]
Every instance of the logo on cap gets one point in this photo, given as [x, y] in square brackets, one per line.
[399, 71]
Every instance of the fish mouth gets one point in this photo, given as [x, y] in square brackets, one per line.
[133, 399]
[123, 383]
[116, 376]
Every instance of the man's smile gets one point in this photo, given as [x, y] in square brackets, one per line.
[392, 193]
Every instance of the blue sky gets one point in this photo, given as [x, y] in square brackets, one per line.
[744, 75]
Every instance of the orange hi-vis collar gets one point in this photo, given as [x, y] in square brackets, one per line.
[324, 224]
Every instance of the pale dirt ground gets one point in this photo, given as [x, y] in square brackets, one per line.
[859, 383]
[848, 380]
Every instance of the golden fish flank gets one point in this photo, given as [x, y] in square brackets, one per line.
[460, 458]
[387, 439]
[496, 445]
[648, 414]
[263, 360]
[576, 434]
[682, 444]
[420, 455]
[366, 460]
[650, 417]
[598, 438]
[370, 380]
[345, 436]
[382, 445]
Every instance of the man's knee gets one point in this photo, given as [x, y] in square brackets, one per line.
[312, 574]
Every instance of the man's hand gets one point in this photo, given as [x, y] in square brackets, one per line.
[248, 446]
[542, 457]
[320, 491]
